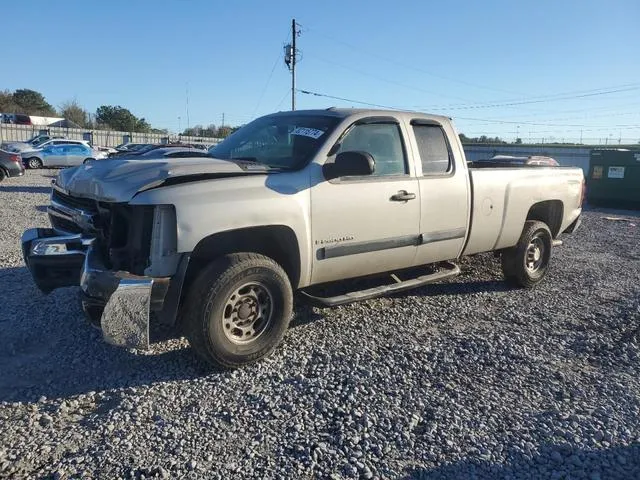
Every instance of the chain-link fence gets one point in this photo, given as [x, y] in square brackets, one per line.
[10, 132]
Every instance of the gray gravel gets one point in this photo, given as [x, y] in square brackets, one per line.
[467, 379]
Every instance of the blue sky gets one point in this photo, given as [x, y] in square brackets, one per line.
[497, 67]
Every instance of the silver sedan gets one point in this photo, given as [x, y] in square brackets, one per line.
[60, 156]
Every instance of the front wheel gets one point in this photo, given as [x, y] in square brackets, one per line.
[34, 162]
[526, 264]
[238, 310]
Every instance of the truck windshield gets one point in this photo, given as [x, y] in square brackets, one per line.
[279, 141]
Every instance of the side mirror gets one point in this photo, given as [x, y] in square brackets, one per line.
[349, 164]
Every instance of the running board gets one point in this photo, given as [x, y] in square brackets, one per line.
[449, 270]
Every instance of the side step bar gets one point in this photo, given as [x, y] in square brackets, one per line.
[449, 270]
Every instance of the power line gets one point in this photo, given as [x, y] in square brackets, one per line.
[255, 110]
[412, 67]
[539, 100]
[287, 93]
[393, 82]
[545, 124]
[316, 94]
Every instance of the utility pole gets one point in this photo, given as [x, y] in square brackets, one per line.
[291, 59]
[222, 126]
[293, 64]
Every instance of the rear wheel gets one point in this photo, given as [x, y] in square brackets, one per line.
[526, 264]
[238, 310]
[2, 175]
[34, 162]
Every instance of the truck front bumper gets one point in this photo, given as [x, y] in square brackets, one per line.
[120, 303]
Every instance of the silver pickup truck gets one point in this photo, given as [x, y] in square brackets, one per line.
[293, 201]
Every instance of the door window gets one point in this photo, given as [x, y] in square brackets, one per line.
[73, 150]
[433, 148]
[383, 142]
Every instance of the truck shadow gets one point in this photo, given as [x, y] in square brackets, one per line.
[458, 288]
[50, 350]
[547, 461]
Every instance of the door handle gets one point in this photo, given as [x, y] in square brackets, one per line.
[402, 196]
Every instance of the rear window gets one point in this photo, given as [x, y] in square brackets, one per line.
[433, 148]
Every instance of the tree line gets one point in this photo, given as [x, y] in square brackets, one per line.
[106, 117]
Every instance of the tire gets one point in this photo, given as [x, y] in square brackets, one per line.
[2, 175]
[230, 332]
[34, 162]
[526, 264]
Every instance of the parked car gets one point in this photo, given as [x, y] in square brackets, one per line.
[290, 202]
[33, 142]
[173, 151]
[107, 150]
[517, 161]
[50, 142]
[164, 151]
[60, 155]
[128, 147]
[10, 165]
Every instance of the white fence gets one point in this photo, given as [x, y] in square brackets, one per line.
[10, 132]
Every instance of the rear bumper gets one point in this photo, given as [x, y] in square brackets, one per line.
[14, 170]
[118, 302]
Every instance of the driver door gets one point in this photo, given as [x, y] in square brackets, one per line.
[364, 225]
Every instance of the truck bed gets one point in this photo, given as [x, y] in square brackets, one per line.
[502, 199]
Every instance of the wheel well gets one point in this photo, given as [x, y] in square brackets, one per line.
[550, 212]
[278, 242]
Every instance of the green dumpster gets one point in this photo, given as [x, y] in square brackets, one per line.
[614, 177]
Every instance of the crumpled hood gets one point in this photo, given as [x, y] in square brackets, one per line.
[119, 180]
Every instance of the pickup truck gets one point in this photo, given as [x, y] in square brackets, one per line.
[292, 202]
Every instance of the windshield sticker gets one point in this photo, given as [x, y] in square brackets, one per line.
[308, 132]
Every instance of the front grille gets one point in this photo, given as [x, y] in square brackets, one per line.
[85, 204]
[122, 232]
[63, 224]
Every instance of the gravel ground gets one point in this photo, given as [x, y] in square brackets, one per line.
[467, 379]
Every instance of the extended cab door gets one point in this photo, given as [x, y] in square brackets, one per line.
[444, 191]
[368, 224]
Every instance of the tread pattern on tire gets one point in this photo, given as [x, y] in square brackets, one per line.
[512, 258]
[205, 288]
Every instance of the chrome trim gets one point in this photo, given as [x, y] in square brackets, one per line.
[53, 246]
[80, 217]
[126, 302]
[125, 318]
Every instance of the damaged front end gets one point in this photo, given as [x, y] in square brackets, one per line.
[108, 250]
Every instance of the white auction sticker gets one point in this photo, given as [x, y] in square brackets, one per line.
[616, 172]
[308, 132]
